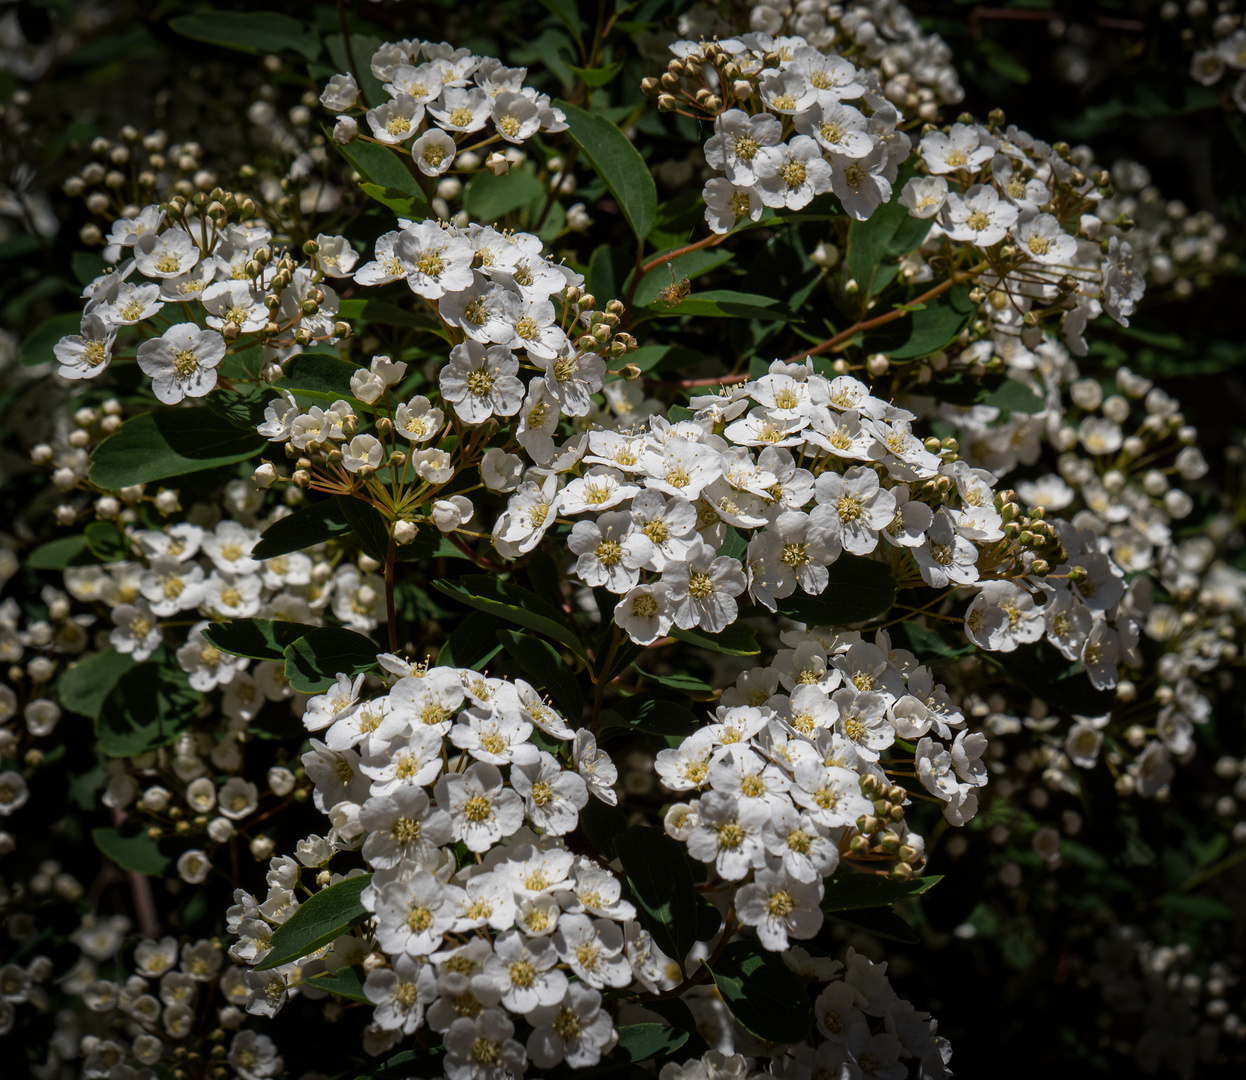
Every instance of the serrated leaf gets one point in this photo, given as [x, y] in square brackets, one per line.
[763, 993]
[169, 442]
[317, 658]
[543, 666]
[738, 639]
[323, 917]
[513, 603]
[304, 528]
[618, 163]
[250, 32]
[859, 589]
[82, 688]
[642, 1042]
[368, 526]
[149, 706]
[850, 890]
[133, 851]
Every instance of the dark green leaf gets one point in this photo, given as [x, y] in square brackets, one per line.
[859, 588]
[318, 375]
[927, 643]
[1043, 672]
[687, 684]
[381, 312]
[368, 526]
[641, 1042]
[169, 442]
[660, 879]
[565, 12]
[738, 639]
[850, 890]
[323, 917]
[602, 824]
[147, 707]
[386, 168]
[245, 408]
[345, 982]
[881, 922]
[652, 715]
[925, 331]
[472, 644]
[362, 46]
[249, 31]
[726, 304]
[260, 639]
[598, 76]
[88, 266]
[315, 660]
[544, 667]
[887, 234]
[1013, 396]
[307, 526]
[106, 542]
[82, 688]
[133, 851]
[407, 206]
[515, 604]
[488, 197]
[60, 553]
[734, 546]
[39, 343]
[618, 163]
[763, 993]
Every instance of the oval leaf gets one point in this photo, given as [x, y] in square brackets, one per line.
[618, 163]
[252, 32]
[307, 526]
[148, 707]
[170, 442]
[858, 589]
[763, 993]
[323, 917]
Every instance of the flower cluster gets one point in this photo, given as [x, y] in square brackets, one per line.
[1221, 55]
[442, 98]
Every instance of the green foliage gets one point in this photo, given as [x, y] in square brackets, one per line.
[250, 31]
[858, 589]
[39, 343]
[513, 603]
[315, 659]
[762, 992]
[304, 528]
[147, 707]
[618, 163]
[83, 687]
[133, 850]
[323, 917]
[543, 666]
[169, 442]
[738, 639]
[852, 891]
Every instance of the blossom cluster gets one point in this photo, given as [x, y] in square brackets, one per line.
[442, 97]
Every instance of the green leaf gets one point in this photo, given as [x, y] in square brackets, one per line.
[380, 311]
[169, 442]
[544, 667]
[598, 76]
[726, 304]
[926, 643]
[738, 639]
[923, 332]
[859, 589]
[686, 684]
[133, 851]
[515, 604]
[652, 715]
[618, 163]
[88, 266]
[362, 46]
[106, 542]
[887, 234]
[734, 546]
[148, 707]
[692, 265]
[323, 917]
[850, 890]
[82, 688]
[345, 982]
[39, 343]
[306, 527]
[1012, 396]
[386, 168]
[1048, 676]
[660, 879]
[488, 197]
[881, 922]
[407, 206]
[318, 375]
[317, 658]
[641, 1042]
[472, 644]
[60, 553]
[368, 526]
[763, 993]
[251, 32]
[260, 639]
[602, 824]
[565, 12]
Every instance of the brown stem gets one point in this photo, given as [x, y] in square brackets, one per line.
[729, 929]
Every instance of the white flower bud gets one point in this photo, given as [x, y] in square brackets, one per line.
[41, 454]
[499, 164]
[280, 781]
[262, 848]
[500, 471]
[220, 829]
[1116, 408]
[107, 507]
[167, 501]
[1178, 504]
[404, 532]
[345, 129]
[64, 479]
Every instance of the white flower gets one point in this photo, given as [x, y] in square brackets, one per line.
[396, 120]
[182, 362]
[481, 810]
[168, 255]
[703, 589]
[645, 613]
[979, 216]
[799, 175]
[137, 630]
[861, 184]
[417, 420]
[924, 196]
[593, 950]
[728, 833]
[839, 128]
[481, 1048]
[86, 354]
[779, 905]
[744, 148]
[595, 766]
[727, 204]
[400, 994]
[412, 916]
[575, 1030]
[481, 382]
[960, 149]
[402, 826]
[433, 152]
[14, 792]
[340, 93]
[434, 261]
[552, 797]
[235, 303]
[852, 509]
[523, 969]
